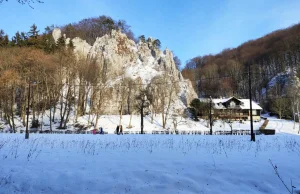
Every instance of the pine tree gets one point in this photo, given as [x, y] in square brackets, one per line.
[33, 37]
[156, 43]
[4, 41]
[49, 45]
[1, 33]
[33, 33]
[17, 40]
[61, 42]
[49, 29]
[24, 39]
[142, 39]
[71, 45]
[70, 31]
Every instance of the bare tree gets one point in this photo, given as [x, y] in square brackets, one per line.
[122, 96]
[155, 105]
[131, 103]
[280, 106]
[23, 2]
[101, 90]
[179, 117]
[228, 117]
[166, 94]
[143, 101]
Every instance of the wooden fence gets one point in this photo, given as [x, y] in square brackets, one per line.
[155, 132]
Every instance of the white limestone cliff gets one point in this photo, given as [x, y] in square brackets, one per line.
[134, 60]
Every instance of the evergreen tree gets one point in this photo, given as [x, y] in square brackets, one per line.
[71, 45]
[2, 33]
[17, 40]
[156, 43]
[49, 29]
[24, 39]
[177, 62]
[49, 45]
[4, 41]
[61, 42]
[33, 37]
[70, 31]
[109, 24]
[142, 39]
[33, 33]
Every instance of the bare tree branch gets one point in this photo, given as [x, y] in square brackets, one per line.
[280, 178]
[23, 2]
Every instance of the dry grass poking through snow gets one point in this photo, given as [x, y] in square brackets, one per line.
[147, 164]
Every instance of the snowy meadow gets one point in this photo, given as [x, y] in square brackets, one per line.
[148, 164]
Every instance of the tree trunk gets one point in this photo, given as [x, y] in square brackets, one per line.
[163, 120]
[121, 114]
[152, 118]
[42, 123]
[50, 120]
[130, 126]
[67, 117]
[33, 104]
[23, 114]
[54, 111]
[12, 110]
[97, 120]
[142, 119]
[294, 115]
[7, 118]
[298, 112]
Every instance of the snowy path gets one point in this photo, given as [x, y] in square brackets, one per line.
[282, 126]
[147, 164]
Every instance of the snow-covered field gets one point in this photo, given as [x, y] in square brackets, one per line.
[147, 164]
[110, 122]
[48, 163]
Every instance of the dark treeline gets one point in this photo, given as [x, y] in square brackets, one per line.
[34, 38]
[226, 74]
[91, 28]
[86, 29]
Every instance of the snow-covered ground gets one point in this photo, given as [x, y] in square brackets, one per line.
[283, 126]
[110, 122]
[147, 164]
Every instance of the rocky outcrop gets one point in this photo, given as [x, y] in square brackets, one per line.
[138, 61]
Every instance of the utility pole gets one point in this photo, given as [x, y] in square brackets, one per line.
[144, 99]
[142, 118]
[250, 98]
[27, 111]
[210, 115]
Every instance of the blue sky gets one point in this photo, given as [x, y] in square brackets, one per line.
[188, 27]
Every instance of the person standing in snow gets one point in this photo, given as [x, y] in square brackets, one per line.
[101, 130]
[117, 130]
[121, 129]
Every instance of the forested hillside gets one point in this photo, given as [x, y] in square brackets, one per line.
[93, 67]
[226, 73]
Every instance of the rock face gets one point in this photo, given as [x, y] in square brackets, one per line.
[138, 61]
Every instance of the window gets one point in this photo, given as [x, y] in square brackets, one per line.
[232, 104]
